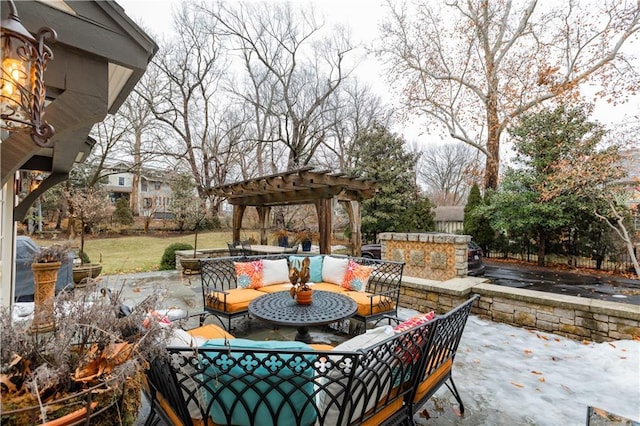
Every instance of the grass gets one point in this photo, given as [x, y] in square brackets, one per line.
[141, 253]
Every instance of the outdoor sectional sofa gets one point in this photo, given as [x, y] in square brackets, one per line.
[381, 377]
[229, 284]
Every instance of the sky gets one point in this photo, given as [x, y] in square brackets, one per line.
[363, 17]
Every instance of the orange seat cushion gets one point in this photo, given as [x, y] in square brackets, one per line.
[274, 288]
[329, 287]
[384, 414]
[210, 331]
[321, 347]
[380, 303]
[237, 299]
[427, 384]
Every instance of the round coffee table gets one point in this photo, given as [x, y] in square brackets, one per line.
[281, 309]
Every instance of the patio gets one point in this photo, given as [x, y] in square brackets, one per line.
[506, 375]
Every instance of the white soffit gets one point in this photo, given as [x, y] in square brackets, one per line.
[118, 77]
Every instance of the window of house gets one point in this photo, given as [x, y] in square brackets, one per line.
[143, 185]
[121, 181]
[158, 185]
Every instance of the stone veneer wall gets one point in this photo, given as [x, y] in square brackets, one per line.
[433, 256]
[574, 317]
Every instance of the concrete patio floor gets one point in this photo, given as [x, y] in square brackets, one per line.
[506, 375]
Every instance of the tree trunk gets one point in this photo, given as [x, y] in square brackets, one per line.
[135, 185]
[492, 162]
[542, 241]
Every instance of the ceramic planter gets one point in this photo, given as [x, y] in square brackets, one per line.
[44, 279]
[82, 273]
[304, 297]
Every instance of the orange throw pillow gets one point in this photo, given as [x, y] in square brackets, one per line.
[249, 274]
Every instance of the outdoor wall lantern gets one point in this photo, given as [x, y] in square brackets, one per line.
[24, 60]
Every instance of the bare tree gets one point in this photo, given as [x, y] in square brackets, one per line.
[110, 137]
[186, 97]
[353, 108]
[293, 67]
[448, 171]
[475, 66]
[141, 137]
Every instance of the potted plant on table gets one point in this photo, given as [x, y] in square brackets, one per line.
[301, 291]
[88, 370]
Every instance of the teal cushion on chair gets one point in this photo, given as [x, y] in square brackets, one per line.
[261, 381]
[315, 266]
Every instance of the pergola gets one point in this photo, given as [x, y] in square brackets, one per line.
[301, 186]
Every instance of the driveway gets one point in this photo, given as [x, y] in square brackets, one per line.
[581, 284]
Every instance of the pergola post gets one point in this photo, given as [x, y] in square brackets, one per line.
[238, 213]
[353, 211]
[325, 216]
[263, 215]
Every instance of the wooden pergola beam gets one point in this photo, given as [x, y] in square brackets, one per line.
[301, 186]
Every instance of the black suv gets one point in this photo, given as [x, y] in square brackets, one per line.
[475, 266]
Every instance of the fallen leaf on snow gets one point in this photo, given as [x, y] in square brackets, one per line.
[425, 414]
[535, 372]
[612, 345]
[541, 379]
[586, 342]
[542, 337]
[527, 351]
[518, 385]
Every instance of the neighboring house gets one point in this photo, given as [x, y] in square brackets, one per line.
[99, 56]
[449, 219]
[154, 189]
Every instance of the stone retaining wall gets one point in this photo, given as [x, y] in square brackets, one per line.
[574, 317]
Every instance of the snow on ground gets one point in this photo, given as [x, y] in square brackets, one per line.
[508, 375]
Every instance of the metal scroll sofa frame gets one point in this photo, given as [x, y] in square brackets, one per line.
[218, 277]
[385, 383]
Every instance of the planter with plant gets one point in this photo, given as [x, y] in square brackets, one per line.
[85, 271]
[45, 266]
[301, 291]
[282, 236]
[89, 206]
[87, 371]
[304, 237]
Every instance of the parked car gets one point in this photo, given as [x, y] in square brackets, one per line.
[371, 251]
[475, 266]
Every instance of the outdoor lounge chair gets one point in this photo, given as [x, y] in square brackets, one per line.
[235, 248]
[441, 351]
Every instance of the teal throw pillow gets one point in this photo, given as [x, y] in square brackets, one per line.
[315, 266]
